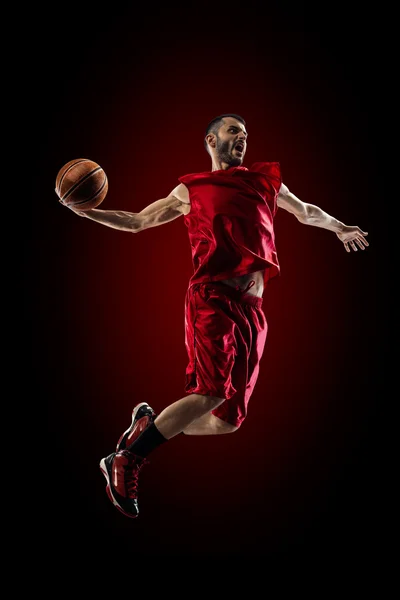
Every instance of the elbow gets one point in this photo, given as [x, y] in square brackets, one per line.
[137, 223]
[308, 216]
[303, 217]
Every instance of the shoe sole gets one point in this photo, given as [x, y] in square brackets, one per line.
[103, 469]
[134, 413]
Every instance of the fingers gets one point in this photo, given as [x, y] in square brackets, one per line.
[80, 213]
[352, 243]
[359, 240]
[359, 244]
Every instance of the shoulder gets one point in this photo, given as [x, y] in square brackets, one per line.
[271, 172]
[283, 191]
[181, 192]
[268, 168]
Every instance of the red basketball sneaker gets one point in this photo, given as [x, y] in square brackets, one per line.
[121, 471]
[129, 436]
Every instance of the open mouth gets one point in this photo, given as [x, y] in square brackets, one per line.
[239, 147]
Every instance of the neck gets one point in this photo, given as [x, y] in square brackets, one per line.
[218, 165]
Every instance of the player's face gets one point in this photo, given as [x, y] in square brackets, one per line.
[231, 143]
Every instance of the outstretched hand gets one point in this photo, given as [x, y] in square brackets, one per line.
[81, 213]
[350, 236]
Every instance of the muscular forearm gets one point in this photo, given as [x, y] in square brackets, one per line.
[117, 219]
[350, 235]
[318, 218]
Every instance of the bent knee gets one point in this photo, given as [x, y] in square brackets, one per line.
[223, 426]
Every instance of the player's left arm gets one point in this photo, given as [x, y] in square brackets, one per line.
[309, 214]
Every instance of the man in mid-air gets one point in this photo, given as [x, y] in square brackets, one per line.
[229, 212]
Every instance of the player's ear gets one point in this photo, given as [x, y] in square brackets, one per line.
[210, 138]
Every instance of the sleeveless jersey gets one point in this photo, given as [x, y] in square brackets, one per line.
[230, 223]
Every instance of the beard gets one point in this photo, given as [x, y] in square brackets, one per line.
[224, 153]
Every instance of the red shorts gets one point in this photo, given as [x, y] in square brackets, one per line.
[225, 333]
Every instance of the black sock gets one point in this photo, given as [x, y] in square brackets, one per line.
[147, 441]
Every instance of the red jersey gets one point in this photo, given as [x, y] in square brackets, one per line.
[230, 223]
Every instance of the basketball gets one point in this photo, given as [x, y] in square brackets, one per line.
[81, 183]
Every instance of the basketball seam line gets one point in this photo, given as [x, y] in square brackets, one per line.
[67, 170]
[94, 195]
[78, 183]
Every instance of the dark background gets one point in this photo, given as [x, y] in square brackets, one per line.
[134, 91]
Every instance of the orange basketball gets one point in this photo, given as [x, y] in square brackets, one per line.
[81, 183]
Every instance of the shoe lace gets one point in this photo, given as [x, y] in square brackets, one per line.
[132, 470]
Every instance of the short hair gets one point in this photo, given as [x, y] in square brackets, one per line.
[215, 124]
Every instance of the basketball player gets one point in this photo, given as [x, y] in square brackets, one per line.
[229, 212]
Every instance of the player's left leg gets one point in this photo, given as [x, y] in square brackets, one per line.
[146, 432]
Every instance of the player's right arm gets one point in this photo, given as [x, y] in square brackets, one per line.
[159, 212]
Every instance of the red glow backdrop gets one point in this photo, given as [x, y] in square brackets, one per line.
[109, 320]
